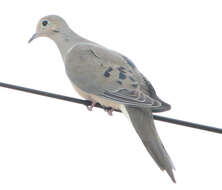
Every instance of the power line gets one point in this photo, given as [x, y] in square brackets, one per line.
[87, 103]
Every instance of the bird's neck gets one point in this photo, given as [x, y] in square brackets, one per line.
[66, 40]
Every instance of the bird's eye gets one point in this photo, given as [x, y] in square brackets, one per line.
[45, 23]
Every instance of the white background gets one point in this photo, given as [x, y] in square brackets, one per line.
[51, 144]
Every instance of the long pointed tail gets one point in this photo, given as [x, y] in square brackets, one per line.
[142, 121]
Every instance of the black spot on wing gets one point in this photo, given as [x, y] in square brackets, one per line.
[131, 78]
[124, 72]
[119, 82]
[107, 72]
[122, 76]
[134, 85]
[122, 69]
[129, 62]
[93, 53]
[149, 89]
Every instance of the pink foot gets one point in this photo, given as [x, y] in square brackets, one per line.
[90, 108]
[110, 111]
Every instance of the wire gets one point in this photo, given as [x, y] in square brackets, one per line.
[87, 103]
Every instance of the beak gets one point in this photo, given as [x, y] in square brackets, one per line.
[34, 36]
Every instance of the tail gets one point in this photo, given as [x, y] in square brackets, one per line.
[143, 123]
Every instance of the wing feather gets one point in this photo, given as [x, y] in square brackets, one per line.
[110, 75]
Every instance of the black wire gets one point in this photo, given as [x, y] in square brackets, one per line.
[87, 103]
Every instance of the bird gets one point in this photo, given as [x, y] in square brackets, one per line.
[111, 79]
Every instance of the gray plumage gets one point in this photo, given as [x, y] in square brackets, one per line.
[105, 76]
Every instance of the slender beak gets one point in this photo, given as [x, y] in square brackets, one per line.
[33, 37]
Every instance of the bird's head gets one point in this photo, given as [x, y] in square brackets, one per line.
[48, 26]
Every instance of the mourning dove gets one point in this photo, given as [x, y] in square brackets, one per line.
[102, 75]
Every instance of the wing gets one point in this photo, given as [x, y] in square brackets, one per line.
[105, 73]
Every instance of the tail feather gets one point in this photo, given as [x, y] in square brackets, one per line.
[143, 123]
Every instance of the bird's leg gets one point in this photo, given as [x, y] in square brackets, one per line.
[109, 110]
[90, 107]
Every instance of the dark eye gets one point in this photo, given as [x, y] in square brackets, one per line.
[45, 23]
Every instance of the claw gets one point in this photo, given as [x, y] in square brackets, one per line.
[90, 108]
[110, 111]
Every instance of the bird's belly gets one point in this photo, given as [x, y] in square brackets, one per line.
[102, 101]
